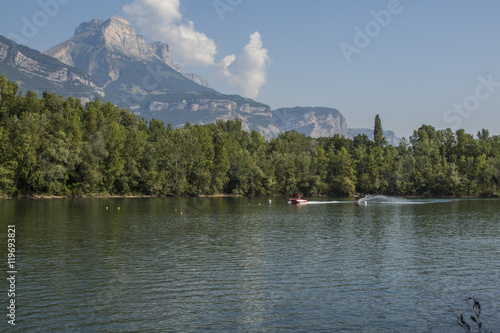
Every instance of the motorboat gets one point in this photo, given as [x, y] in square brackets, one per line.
[361, 202]
[297, 199]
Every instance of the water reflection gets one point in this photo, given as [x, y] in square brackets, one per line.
[230, 264]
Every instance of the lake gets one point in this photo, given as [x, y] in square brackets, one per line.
[250, 265]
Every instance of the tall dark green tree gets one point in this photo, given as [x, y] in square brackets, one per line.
[378, 132]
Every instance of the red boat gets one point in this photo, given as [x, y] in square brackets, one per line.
[297, 199]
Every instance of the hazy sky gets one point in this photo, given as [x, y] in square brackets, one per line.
[412, 62]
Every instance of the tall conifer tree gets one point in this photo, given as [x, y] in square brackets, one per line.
[378, 133]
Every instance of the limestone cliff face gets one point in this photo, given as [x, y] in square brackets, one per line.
[120, 35]
[196, 78]
[207, 104]
[312, 121]
[37, 72]
[162, 51]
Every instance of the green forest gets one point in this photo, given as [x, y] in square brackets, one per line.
[55, 146]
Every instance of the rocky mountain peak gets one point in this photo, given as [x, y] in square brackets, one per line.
[98, 45]
[120, 35]
[119, 20]
[162, 51]
[91, 26]
[116, 34]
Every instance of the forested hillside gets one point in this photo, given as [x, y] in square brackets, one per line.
[54, 146]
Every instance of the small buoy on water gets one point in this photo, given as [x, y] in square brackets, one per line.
[106, 208]
[181, 213]
[269, 200]
[259, 203]
[118, 208]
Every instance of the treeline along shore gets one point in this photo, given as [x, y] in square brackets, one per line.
[55, 146]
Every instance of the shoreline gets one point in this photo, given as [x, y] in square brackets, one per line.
[220, 195]
[117, 196]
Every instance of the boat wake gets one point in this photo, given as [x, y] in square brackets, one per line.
[384, 199]
[324, 202]
[320, 202]
[378, 200]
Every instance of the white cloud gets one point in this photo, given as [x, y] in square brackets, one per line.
[248, 71]
[162, 20]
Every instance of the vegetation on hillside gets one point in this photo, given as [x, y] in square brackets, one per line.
[54, 146]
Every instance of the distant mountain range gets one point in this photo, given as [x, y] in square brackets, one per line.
[109, 61]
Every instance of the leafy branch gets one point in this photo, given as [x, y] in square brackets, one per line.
[475, 324]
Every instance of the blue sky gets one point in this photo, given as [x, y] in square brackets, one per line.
[428, 62]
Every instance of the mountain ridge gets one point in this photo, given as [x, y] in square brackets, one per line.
[37, 72]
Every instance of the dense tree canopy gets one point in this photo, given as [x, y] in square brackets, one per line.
[50, 145]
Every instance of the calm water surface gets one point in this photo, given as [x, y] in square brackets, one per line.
[247, 265]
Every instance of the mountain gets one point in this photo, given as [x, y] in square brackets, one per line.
[34, 71]
[116, 56]
[142, 77]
